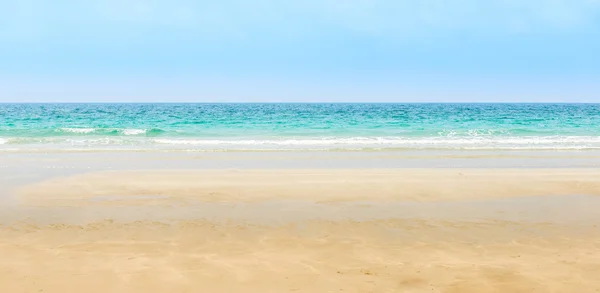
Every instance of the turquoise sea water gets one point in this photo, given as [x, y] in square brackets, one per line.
[226, 127]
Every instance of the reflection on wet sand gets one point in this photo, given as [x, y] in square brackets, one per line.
[360, 230]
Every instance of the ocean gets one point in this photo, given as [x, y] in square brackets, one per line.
[298, 127]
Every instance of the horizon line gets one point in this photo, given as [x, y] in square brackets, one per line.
[294, 102]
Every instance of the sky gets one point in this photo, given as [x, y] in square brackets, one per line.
[300, 51]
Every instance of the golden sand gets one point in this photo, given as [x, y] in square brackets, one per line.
[309, 255]
[425, 185]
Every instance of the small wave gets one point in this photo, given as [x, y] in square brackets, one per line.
[154, 132]
[134, 131]
[387, 140]
[474, 132]
[110, 131]
[147, 132]
[138, 139]
[473, 143]
[76, 130]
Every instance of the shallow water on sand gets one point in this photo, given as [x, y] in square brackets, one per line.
[152, 231]
[568, 210]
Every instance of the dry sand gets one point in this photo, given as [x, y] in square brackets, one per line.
[387, 253]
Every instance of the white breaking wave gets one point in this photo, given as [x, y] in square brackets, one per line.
[134, 131]
[103, 130]
[78, 130]
[133, 142]
[546, 142]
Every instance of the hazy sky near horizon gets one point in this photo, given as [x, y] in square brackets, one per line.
[294, 51]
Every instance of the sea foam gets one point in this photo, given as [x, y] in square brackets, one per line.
[76, 130]
[134, 131]
[474, 143]
[103, 131]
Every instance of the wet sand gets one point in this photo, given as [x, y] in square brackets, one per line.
[305, 230]
[321, 185]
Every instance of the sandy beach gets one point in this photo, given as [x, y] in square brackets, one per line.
[366, 146]
[305, 230]
[321, 185]
[312, 256]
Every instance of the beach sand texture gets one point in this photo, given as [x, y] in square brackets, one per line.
[411, 230]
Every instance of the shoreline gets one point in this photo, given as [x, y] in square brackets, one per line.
[59, 149]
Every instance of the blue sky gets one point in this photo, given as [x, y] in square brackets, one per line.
[284, 51]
